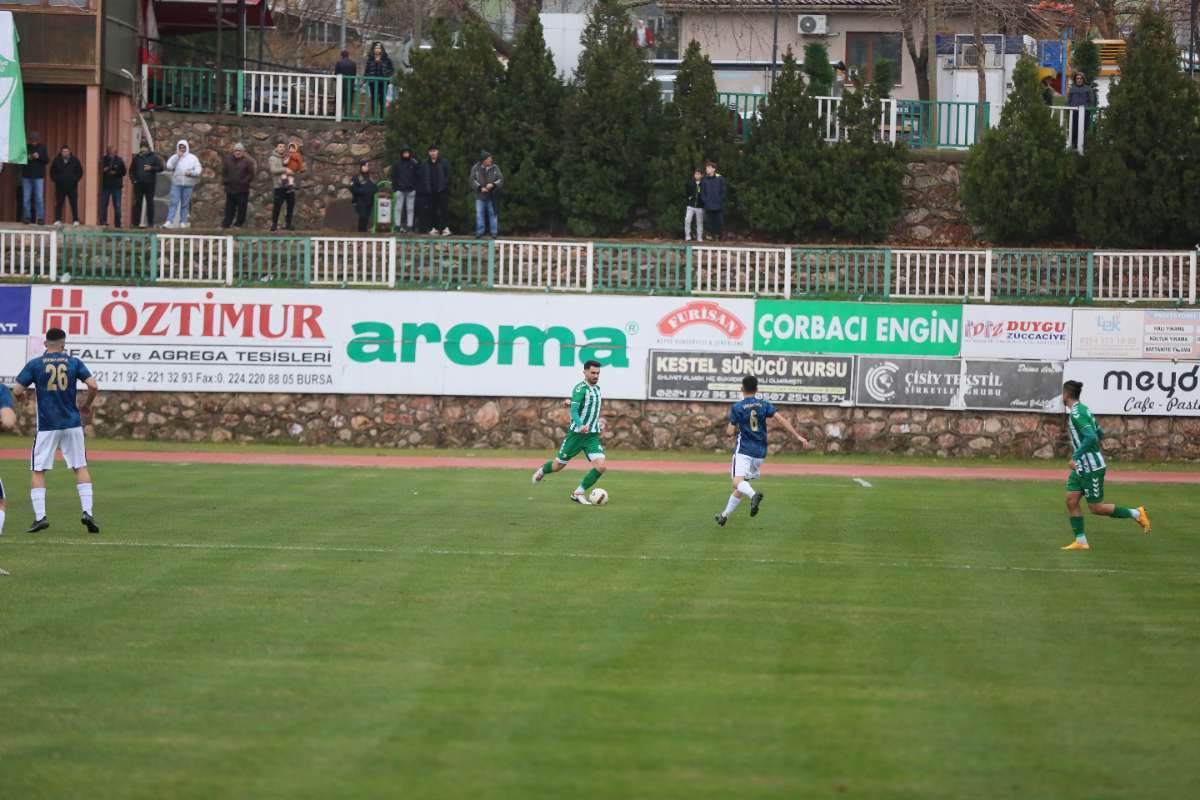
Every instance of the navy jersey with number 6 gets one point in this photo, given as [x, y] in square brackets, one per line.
[55, 375]
[750, 416]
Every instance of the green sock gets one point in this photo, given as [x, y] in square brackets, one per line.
[548, 467]
[1120, 512]
[590, 479]
[1077, 527]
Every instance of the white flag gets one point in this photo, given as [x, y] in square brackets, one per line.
[12, 95]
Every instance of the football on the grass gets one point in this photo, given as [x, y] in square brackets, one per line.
[598, 497]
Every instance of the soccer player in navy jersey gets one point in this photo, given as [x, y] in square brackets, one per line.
[8, 421]
[748, 419]
[59, 425]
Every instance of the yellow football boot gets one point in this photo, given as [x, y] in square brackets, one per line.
[1143, 519]
[1077, 545]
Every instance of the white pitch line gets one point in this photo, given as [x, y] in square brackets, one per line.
[863, 483]
[5, 572]
[643, 557]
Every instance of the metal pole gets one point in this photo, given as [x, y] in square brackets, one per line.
[219, 77]
[342, 29]
[262, 21]
[775, 44]
[1192, 34]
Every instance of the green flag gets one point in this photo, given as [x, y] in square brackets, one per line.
[12, 95]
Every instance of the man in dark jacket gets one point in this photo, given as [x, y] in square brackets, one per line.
[362, 191]
[694, 209]
[1081, 94]
[486, 181]
[66, 172]
[712, 197]
[112, 178]
[404, 190]
[436, 180]
[239, 173]
[143, 174]
[349, 71]
[33, 181]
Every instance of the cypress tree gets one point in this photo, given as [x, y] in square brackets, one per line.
[1142, 185]
[694, 129]
[818, 70]
[608, 126]
[1017, 179]
[782, 194]
[448, 99]
[528, 132]
[1085, 58]
[865, 176]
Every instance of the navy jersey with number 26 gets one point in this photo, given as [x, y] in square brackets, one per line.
[55, 375]
[750, 416]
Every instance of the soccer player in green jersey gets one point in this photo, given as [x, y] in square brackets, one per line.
[583, 435]
[1087, 470]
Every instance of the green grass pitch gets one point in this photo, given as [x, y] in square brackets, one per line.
[257, 632]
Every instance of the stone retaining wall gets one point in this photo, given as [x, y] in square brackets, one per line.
[421, 421]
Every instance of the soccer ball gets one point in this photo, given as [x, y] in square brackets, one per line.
[598, 497]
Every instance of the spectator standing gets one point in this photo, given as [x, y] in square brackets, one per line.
[284, 183]
[437, 186]
[349, 72]
[1081, 94]
[33, 181]
[185, 170]
[486, 181]
[643, 36]
[362, 190]
[238, 169]
[66, 172]
[378, 66]
[145, 167]
[112, 178]
[712, 197]
[694, 208]
[404, 176]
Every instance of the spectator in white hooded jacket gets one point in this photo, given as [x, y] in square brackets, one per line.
[185, 171]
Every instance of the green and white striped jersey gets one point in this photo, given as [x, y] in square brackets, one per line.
[1085, 439]
[585, 406]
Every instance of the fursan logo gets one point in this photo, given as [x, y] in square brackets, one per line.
[702, 312]
[471, 344]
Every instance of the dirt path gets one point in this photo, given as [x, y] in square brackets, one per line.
[715, 467]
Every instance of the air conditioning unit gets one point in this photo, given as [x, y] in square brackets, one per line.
[812, 24]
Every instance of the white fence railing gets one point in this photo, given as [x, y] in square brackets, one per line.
[347, 260]
[942, 274]
[193, 258]
[1073, 121]
[750, 271]
[557, 266]
[1111, 276]
[291, 94]
[26, 253]
[1134, 277]
[831, 126]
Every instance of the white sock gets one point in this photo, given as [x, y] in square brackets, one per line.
[579, 489]
[85, 496]
[38, 498]
[1, 520]
[745, 488]
[734, 499]
[1136, 514]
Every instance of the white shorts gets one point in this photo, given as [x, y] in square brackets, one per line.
[70, 441]
[745, 466]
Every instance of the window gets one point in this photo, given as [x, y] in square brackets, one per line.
[865, 50]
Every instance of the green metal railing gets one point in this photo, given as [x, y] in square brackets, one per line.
[444, 263]
[644, 269]
[108, 256]
[1041, 275]
[742, 108]
[188, 89]
[835, 271]
[941, 124]
[285, 260]
[364, 98]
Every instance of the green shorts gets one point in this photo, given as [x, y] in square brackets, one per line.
[575, 443]
[1090, 483]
